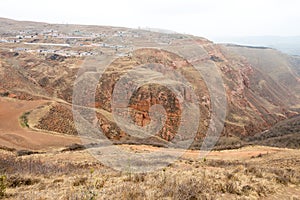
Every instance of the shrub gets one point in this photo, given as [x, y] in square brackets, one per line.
[17, 181]
[26, 152]
[24, 120]
[2, 185]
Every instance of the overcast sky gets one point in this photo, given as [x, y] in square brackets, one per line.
[208, 18]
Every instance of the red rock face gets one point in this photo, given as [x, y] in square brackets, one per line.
[148, 95]
[151, 95]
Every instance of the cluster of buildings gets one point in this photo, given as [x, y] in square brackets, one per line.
[75, 43]
[66, 53]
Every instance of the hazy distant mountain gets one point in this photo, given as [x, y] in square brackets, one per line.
[289, 45]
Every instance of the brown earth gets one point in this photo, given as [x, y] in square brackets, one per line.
[12, 135]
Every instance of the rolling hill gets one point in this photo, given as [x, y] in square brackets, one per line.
[40, 61]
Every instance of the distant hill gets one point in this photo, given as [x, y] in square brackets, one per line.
[283, 69]
[284, 134]
[289, 45]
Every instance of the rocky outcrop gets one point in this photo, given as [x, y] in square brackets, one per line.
[152, 94]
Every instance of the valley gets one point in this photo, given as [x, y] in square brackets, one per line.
[69, 93]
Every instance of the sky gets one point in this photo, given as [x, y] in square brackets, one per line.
[207, 18]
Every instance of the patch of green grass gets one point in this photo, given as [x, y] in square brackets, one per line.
[24, 119]
[2, 185]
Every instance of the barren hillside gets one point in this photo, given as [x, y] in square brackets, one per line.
[261, 85]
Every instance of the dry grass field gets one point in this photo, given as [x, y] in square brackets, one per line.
[248, 173]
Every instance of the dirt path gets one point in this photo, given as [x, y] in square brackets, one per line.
[14, 136]
[238, 154]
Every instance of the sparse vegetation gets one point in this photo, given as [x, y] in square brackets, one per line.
[24, 119]
[26, 152]
[259, 176]
[2, 185]
[285, 134]
[74, 147]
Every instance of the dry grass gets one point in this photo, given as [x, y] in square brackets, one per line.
[32, 177]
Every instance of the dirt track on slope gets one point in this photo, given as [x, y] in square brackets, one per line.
[12, 135]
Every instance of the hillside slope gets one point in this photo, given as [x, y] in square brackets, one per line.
[261, 85]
